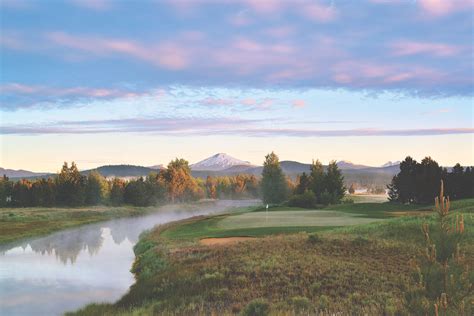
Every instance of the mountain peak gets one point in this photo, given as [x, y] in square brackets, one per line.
[218, 162]
[391, 164]
[345, 164]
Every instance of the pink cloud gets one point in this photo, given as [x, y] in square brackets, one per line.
[439, 8]
[249, 102]
[342, 78]
[98, 5]
[404, 48]
[169, 55]
[216, 102]
[318, 12]
[11, 41]
[265, 6]
[241, 18]
[366, 73]
[246, 44]
[15, 88]
[299, 103]
[280, 31]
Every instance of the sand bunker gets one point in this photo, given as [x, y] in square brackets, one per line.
[223, 241]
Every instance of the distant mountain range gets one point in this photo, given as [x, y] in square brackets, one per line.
[20, 173]
[222, 164]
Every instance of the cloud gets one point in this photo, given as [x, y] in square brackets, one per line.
[279, 31]
[97, 5]
[406, 48]
[15, 96]
[166, 54]
[299, 104]
[438, 111]
[216, 102]
[438, 8]
[318, 12]
[346, 133]
[313, 10]
[192, 126]
[163, 125]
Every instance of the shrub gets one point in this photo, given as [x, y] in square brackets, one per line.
[257, 307]
[306, 200]
[316, 287]
[326, 198]
[442, 276]
[314, 238]
[323, 302]
[360, 241]
[300, 303]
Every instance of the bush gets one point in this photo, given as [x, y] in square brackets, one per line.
[360, 241]
[300, 303]
[316, 287]
[326, 198]
[257, 307]
[323, 302]
[314, 238]
[306, 200]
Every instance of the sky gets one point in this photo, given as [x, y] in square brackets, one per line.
[142, 82]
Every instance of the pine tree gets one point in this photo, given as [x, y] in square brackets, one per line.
[274, 186]
[442, 276]
[317, 179]
[334, 183]
[117, 192]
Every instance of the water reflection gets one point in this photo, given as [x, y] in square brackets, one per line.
[68, 269]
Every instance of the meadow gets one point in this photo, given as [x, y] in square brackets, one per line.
[352, 269]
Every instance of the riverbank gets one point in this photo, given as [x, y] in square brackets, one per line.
[20, 223]
[361, 268]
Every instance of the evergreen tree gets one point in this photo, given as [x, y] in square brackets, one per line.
[334, 183]
[6, 188]
[135, 193]
[117, 192]
[96, 189]
[317, 179]
[274, 185]
[304, 183]
[21, 193]
[43, 192]
[70, 186]
[155, 189]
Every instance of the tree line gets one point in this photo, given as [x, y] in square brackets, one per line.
[174, 184]
[417, 182]
[319, 187]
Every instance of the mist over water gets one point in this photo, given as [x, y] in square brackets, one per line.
[69, 269]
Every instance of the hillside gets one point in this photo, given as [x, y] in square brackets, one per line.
[120, 171]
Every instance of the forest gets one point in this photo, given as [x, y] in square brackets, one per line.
[416, 183]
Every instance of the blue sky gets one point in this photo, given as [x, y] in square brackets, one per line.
[142, 82]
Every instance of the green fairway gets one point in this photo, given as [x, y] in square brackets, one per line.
[292, 219]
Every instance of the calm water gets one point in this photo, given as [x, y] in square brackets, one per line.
[69, 269]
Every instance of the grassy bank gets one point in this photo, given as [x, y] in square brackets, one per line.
[18, 223]
[357, 269]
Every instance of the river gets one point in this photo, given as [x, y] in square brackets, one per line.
[68, 269]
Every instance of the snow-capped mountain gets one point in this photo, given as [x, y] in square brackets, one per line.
[219, 162]
[345, 165]
[157, 167]
[391, 164]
